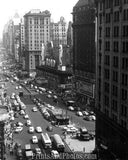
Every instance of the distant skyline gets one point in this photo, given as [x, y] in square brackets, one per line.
[57, 8]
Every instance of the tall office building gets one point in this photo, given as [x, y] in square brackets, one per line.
[22, 43]
[59, 32]
[112, 77]
[84, 49]
[37, 32]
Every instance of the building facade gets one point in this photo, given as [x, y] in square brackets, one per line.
[37, 32]
[4, 131]
[84, 50]
[112, 77]
[59, 32]
[54, 76]
[22, 44]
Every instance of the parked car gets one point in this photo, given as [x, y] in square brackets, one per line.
[31, 129]
[34, 109]
[55, 154]
[49, 96]
[19, 124]
[38, 151]
[38, 129]
[79, 113]
[49, 128]
[71, 108]
[26, 116]
[28, 122]
[34, 139]
[85, 113]
[22, 112]
[18, 129]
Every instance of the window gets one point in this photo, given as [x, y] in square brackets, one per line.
[114, 90]
[100, 5]
[124, 94]
[114, 105]
[116, 16]
[106, 73]
[125, 31]
[124, 79]
[125, 63]
[124, 110]
[108, 17]
[125, 47]
[116, 31]
[99, 71]
[100, 31]
[106, 87]
[107, 31]
[100, 44]
[106, 100]
[116, 2]
[125, 1]
[100, 56]
[106, 112]
[107, 60]
[115, 61]
[100, 18]
[114, 117]
[107, 4]
[125, 14]
[123, 124]
[115, 76]
[115, 46]
[107, 45]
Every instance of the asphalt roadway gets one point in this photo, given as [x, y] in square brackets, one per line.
[37, 119]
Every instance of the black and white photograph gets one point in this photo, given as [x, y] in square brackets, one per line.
[64, 80]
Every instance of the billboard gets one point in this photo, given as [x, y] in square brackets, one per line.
[88, 89]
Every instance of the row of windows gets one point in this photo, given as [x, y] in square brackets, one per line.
[115, 18]
[115, 46]
[114, 106]
[116, 62]
[108, 3]
[115, 31]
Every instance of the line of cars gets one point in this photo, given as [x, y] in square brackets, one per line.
[86, 114]
[53, 146]
[49, 93]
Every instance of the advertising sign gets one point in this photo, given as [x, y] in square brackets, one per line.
[86, 88]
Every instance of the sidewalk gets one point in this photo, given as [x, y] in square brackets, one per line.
[77, 145]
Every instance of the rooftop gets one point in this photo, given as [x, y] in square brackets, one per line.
[81, 3]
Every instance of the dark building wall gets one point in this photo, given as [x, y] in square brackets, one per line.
[85, 50]
[84, 38]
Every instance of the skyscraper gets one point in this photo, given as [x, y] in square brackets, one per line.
[112, 77]
[37, 32]
[84, 49]
[59, 32]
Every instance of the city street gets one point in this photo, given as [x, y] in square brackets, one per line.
[24, 137]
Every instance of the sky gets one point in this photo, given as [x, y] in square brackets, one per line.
[57, 9]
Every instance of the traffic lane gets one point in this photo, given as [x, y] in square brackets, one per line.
[38, 120]
[79, 121]
[11, 89]
[24, 137]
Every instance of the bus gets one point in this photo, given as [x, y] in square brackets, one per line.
[46, 140]
[57, 142]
